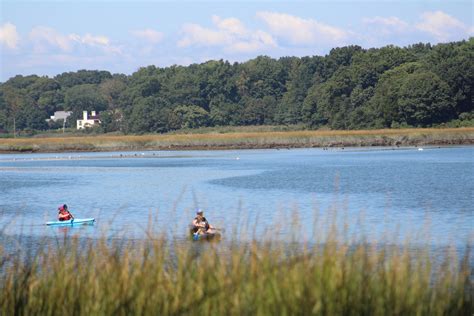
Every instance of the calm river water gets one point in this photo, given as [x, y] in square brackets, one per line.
[376, 192]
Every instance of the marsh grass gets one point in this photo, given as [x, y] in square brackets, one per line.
[333, 276]
[244, 139]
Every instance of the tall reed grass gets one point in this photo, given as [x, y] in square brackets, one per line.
[159, 276]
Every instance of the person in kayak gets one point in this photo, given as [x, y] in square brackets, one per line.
[200, 224]
[64, 214]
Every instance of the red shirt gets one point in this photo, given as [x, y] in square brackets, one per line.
[64, 215]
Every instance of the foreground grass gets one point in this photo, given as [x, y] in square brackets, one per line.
[255, 278]
[243, 140]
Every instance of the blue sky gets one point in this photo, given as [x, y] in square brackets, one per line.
[51, 37]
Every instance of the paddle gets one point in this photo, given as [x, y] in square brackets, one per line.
[218, 229]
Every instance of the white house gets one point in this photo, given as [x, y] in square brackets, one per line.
[60, 115]
[88, 121]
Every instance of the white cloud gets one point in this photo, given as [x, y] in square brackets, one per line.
[45, 39]
[299, 31]
[149, 35]
[230, 25]
[230, 33]
[196, 34]
[442, 26]
[387, 25]
[9, 36]
[91, 40]
[258, 41]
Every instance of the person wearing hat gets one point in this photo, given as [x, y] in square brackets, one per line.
[200, 223]
[64, 214]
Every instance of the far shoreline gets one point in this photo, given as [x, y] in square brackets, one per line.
[414, 137]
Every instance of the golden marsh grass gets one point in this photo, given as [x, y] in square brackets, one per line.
[215, 140]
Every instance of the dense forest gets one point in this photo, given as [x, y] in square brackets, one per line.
[350, 88]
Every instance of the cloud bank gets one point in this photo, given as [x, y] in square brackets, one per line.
[299, 31]
[230, 34]
[442, 26]
[387, 25]
[9, 36]
[271, 33]
[45, 39]
[149, 35]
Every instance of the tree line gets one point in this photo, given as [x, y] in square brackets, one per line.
[420, 85]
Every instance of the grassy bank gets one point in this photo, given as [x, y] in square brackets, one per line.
[256, 278]
[244, 140]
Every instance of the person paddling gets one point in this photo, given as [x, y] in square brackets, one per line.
[64, 214]
[200, 224]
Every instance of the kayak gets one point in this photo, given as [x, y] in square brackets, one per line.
[207, 236]
[215, 235]
[72, 222]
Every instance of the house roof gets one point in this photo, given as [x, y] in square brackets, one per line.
[58, 115]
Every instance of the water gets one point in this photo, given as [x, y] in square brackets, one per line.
[377, 192]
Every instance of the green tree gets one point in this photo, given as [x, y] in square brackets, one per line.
[112, 90]
[70, 79]
[84, 97]
[20, 82]
[224, 112]
[51, 101]
[303, 74]
[182, 85]
[262, 76]
[216, 79]
[338, 57]
[334, 104]
[151, 114]
[309, 112]
[34, 119]
[14, 101]
[40, 86]
[258, 111]
[3, 112]
[453, 63]
[411, 95]
[368, 66]
[424, 100]
[350, 87]
[32, 99]
[191, 116]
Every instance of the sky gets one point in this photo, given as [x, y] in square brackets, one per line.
[47, 38]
